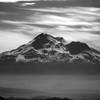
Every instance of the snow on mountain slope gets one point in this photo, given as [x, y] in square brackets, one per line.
[46, 48]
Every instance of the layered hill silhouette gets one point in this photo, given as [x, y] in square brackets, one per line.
[45, 98]
[46, 48]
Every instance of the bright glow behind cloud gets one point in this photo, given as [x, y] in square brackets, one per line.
[10, 40]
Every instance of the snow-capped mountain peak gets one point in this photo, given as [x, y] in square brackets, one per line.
[42, 40]
[47, 48]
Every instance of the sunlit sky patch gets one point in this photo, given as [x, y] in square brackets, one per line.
[75, 20]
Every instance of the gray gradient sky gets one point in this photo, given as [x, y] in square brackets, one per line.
[75, 20]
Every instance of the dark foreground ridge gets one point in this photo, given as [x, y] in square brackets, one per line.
[46, 48]
[40, 98]
[52, 98]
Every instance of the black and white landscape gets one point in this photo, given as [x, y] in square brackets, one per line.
[49, 49]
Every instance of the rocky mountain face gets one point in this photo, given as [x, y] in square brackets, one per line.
[46, 48]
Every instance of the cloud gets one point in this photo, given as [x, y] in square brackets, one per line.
[27, 4]
[57, 20]
[13, 22]
[69, 10]
[28, 0]
[72, 23]
[69, 18]
[14, 0]
[72, 19]
[22, 27]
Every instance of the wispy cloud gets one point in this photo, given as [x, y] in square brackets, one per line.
[28, 0]
[27, 4]
[72, 23]
[70, 18]
[15, 0]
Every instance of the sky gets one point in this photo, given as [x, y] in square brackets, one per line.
[75, 20]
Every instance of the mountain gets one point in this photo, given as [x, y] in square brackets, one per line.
[47, 48]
